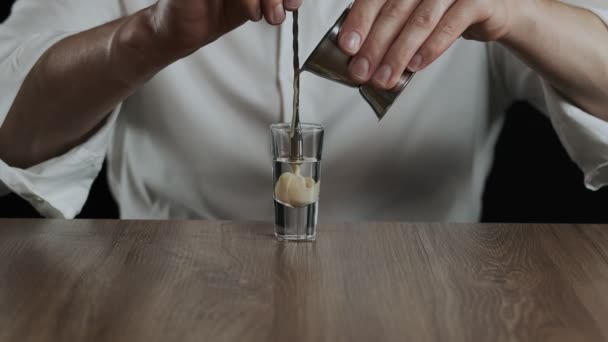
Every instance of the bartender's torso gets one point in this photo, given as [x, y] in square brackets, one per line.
[194, 141]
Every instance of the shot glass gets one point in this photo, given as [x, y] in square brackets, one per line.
[296, 182]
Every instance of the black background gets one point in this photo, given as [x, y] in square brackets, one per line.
[532, 180]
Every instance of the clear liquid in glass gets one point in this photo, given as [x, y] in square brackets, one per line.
[296, 214]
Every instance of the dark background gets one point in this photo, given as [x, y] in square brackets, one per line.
[533, 180]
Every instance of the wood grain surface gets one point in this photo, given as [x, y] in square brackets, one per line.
[226, 281]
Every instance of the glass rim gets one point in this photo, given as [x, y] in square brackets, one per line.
[305, 127]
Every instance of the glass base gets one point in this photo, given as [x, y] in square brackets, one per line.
[304, 238]
[295, 224]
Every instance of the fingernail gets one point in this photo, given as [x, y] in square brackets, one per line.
[258, 14]
[415, 63]
[292, 4]
[360, 67]
[353, 39]
[279, 14]
[383, 75]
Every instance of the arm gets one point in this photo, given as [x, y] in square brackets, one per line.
[75, 84]
[70, 90]
[565, 44]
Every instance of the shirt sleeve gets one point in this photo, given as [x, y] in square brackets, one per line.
[584, 136]
[58, 187]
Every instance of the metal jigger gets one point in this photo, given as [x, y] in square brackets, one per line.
[329, 62]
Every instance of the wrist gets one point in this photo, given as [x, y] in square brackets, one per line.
[137, 50]
[524, 18]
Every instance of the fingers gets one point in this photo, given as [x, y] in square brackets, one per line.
[253, 10]
[274, 11]
[387, 26]
[358, 24]
[453, 24]
[292, 5]
[419, 26]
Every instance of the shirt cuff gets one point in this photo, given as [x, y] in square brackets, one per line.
[584, 136]
[59, 187]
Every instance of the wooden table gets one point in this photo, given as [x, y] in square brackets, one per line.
[226, 281]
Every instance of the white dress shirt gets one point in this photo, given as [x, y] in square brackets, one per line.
[194, 141]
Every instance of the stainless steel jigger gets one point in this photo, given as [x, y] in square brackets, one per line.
[329, 62]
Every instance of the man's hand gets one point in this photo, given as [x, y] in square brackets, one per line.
[388, 36]
[186, 25]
